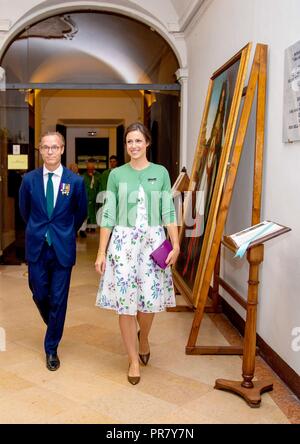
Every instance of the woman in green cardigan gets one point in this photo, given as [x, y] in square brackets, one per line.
[138, 203]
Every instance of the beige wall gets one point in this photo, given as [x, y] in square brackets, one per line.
[223, 29]
[61, 105]
[122, 106]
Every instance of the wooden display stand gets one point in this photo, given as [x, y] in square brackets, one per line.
[247, 388]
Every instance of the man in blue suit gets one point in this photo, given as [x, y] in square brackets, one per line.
[53, 204]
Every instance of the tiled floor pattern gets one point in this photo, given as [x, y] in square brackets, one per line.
[91, 384]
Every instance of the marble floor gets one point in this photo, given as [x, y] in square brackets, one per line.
[91, 384]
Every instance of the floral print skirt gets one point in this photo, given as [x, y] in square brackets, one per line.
[132, 281]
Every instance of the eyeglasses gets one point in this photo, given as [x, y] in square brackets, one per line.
[53, 148]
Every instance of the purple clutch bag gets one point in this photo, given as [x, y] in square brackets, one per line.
[161, 253]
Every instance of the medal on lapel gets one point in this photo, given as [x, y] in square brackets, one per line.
[65, 189]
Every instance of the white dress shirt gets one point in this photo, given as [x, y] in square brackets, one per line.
[56, 178]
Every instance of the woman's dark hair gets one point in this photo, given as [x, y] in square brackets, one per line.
[138, 126]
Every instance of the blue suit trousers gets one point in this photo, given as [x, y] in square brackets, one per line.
[49, 282]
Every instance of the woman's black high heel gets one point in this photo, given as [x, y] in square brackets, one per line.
[143, 357]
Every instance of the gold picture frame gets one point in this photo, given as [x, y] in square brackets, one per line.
[208, 172]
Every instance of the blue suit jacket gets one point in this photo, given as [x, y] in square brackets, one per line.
[68, 214]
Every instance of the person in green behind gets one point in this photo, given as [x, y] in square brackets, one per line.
[92, 181]
[113, 163]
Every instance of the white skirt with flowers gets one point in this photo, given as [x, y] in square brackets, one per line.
[132, 281]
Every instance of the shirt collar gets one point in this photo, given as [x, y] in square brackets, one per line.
[58, 172]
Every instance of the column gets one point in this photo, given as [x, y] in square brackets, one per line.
[182, 77]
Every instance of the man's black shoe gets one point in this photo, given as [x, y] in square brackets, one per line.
[82, 233]
[52, 362]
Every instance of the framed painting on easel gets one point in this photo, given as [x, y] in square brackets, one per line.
[209, 168]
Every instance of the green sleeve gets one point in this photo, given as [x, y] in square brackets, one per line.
[168, 209]
[110, 205]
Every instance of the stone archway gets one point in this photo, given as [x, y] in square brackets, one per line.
[123, 7]
[170, 32]
[42, 11]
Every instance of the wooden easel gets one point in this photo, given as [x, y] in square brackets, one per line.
[181, 185]
[247, 388]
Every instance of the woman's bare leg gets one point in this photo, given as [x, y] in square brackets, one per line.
[129, 334]
[145, 322]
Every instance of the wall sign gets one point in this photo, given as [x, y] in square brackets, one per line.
[17, 162]
[16, 149]
[291, 97]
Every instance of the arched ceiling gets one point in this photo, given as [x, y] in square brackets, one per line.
[90, 47]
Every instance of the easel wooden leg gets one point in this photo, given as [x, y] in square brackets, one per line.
[215, 290]
[248, 389]
[251, 396]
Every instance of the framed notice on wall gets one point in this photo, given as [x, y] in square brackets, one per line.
[291, 97]
[17, 162]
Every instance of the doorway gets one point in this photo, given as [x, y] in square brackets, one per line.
[88, 148]
[90, 54]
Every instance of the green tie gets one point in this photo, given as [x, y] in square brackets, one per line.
[50, 202]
